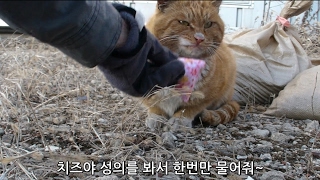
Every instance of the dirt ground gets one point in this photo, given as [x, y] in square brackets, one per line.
[55, 113]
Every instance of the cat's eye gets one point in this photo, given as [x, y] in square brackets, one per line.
[208, 24]
[184, 23]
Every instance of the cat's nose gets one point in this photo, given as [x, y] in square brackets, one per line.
[199, 37]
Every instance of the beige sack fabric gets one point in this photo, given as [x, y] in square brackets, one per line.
[300, 99]
[268, 57]
[294, 8]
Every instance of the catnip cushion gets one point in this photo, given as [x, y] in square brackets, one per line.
[186, 84]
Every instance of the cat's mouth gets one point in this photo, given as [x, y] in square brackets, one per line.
[195, 46]
[190, 46]
[192, 51]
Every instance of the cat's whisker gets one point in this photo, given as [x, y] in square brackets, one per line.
[219, 56]
[169, 40]
[212, 50]
[174, 37]
[209, 50]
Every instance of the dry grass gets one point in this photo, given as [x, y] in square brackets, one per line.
[49, 101]
[309, 35]
[309, 29]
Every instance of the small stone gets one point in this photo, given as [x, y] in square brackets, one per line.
[215, 144]
[52, 148]
[312, 126]
[61, 128]
[128, 101]
[102, 121]
[234, 177]
[303, 177]
[254, 123]
[233, 129]
[99, 96]
[272, 128]
[316, 153]
[265, 157]
[221, 126]
[312, 140]
[260, 132]
[7, 138]
[200, 148]
[114, 96]
[111, 134]
[33, 147]
[111, 177]
[286, 127]
[272, 175]
[267, 163]
[82, 98]
[170, 176]
[280, 137]
[249, 178]
[304, 147]
[180, 135]
[168, 139]
[261, 108]
[239, 157]
[262, 148]
[249, 139]
[37, 156]
[1, 132]
[267, 143]
[209, 131]
[121, 94]
[56, 121]
[192, 177]
[71, 139]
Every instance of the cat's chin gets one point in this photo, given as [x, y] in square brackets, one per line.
[191, 52]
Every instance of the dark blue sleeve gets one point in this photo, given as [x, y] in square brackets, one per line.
[87, 31]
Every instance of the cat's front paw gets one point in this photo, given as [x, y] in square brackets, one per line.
[179, 124]
[155, 122]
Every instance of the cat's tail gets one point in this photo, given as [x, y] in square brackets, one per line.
[226, 113]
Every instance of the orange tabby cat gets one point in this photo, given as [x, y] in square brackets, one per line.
[194, 29]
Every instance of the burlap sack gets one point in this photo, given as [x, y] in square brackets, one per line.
[268, 57]
[300, 99]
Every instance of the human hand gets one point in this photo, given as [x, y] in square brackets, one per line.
[141, 63]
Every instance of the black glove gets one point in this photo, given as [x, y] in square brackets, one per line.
[142, 63]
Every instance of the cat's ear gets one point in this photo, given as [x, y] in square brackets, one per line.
[217, 3]
[162, 4]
